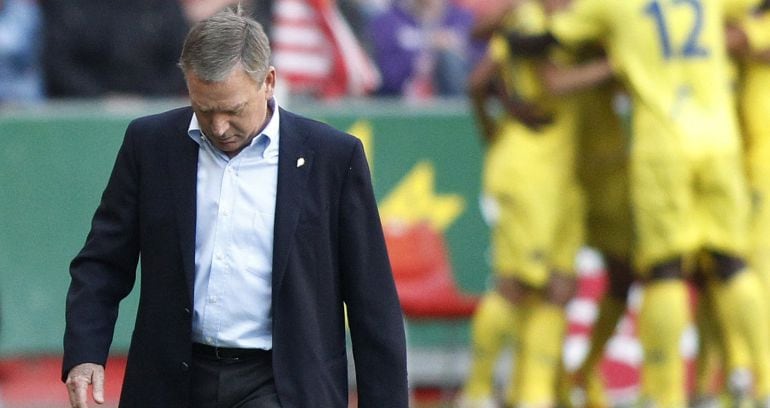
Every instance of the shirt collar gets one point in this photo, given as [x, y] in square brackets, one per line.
[271, 131]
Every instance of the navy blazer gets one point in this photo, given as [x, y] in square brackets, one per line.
[328, 250]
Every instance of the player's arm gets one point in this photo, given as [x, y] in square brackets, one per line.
[485, 86]
[562, 80]
[525, 112]
[751, 35]
[491, 21]
[530, 45]
[480, 83]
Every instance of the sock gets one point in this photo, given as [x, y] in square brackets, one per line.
[540, 356]
[492, 329]
[741, 306]
[663, 317]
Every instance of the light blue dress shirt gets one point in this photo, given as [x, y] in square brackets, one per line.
[234, 240]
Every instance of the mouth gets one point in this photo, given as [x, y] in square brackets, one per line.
[225, 141]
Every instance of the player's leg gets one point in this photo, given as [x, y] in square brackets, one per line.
[543, 337]
[711, 359]
[611, 307]
[497, 315]
[738, 297]
[492, 330]
[738, 292]
[663, 317]
[603, 166]
[499, 320]
[666, 230]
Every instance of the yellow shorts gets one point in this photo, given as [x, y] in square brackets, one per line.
[682, 205]
[529, 185]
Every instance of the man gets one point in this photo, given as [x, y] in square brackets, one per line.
[254, 226]
[685, 171]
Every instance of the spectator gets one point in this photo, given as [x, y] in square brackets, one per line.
[96, 48]
[20, 71]
[422, 48]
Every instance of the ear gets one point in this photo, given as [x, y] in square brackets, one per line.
[270, 83]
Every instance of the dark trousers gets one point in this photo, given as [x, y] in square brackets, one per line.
[233, 383]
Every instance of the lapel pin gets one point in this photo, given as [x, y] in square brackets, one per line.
[300, 162]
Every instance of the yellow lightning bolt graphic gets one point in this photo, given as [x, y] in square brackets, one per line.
[414, 200]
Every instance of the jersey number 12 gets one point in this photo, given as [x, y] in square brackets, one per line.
[691, 47]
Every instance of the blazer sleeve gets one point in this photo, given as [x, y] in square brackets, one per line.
[374, 313]
[104, 271]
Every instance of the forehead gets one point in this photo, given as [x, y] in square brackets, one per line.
[235, 90]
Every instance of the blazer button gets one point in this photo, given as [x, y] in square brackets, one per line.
[184, 366]
[187, 311]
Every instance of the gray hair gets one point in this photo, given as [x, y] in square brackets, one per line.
[214, 46]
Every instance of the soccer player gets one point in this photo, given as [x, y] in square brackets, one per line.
[532, 191]
[603, 172]
[686, 171]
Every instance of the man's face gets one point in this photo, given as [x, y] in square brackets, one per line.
[231, 112]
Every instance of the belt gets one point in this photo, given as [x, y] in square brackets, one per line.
[226, 353]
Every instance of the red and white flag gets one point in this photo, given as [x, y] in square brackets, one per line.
[316, 52]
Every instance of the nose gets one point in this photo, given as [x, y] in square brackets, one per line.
[219, 125]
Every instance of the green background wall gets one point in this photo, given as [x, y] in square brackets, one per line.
[55, 161]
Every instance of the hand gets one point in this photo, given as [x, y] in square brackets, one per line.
[78, 380]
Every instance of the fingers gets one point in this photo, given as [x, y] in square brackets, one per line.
[78, 381]
[77, 388]
[98, 383]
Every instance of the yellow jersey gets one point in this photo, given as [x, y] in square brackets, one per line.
[522, 78]
[672, 56]
[522, 74]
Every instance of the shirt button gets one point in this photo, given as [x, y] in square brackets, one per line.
[184, 366]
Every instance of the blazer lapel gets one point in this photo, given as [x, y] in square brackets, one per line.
[295, 160]
[182, 162]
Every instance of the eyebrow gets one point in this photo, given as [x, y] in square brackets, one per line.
[233, 109]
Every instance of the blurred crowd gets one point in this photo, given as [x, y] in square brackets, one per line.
[129, 48]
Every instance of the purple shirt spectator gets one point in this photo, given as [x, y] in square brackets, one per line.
[419, 41]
